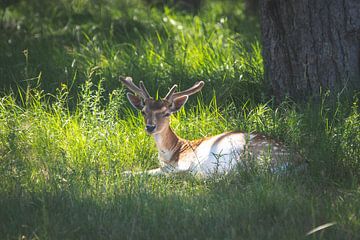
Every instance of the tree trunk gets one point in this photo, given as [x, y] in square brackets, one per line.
[310, 45]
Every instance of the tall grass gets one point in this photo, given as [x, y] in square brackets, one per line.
[67, 132]
[61, 170]
[160, 46]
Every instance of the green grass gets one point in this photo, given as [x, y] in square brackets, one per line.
[67, 131]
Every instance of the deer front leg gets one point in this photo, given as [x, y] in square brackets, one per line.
[152, 172]
[166, 170]
[155, 172]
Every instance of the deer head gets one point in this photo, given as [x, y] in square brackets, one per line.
[157, 112]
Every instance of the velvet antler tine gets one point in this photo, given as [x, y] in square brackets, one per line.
[143, 88]
[127, 81]
[170, 93]
[194, 89]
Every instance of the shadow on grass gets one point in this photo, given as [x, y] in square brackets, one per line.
[39, 39]
[225, 208]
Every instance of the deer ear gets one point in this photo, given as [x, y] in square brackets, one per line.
[135, 101]
[177, 103]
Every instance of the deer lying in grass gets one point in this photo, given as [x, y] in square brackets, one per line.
[206, 156]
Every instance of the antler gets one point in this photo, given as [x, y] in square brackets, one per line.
[170, 93]
[142, 91]
[145, 91]
[194, 89]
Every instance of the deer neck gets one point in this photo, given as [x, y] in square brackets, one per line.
[168, 145]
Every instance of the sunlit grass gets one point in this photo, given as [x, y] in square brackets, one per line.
[67, 132]
[52, 154]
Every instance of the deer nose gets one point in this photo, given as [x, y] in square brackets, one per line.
[150, 128]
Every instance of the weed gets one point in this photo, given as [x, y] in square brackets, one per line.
[67, 133]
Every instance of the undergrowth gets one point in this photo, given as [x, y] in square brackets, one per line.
[69, 163]
[67, 132]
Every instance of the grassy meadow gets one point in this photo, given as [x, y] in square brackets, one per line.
[67, 131]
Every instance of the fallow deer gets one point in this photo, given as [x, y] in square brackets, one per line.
[206, 156]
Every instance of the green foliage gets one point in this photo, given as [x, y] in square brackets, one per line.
[67, 132]
[159, 46]
[61, 170]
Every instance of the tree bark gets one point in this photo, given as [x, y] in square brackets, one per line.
[310, 45]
